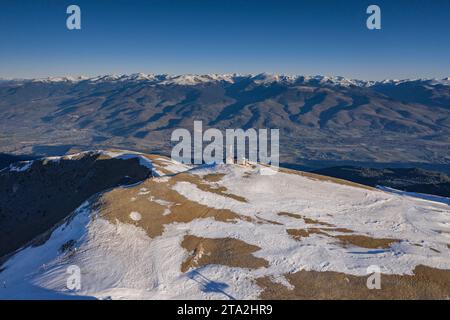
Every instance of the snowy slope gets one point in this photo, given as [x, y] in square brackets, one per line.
[120, 260]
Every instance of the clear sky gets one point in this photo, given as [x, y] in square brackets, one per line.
[225, 36]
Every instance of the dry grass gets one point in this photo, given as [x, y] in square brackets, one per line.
[213, 177]
[158, 198]
[365, 242]
[305, 219]
[343, 230]
[298, 234]
[426, 283]
[345, 240]
[313, 221]
[117, 205]
[262, 220]
[226, 251]
[213, 187]
[291, 215]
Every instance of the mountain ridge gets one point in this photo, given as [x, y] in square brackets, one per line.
[186, 79]
[394, 121]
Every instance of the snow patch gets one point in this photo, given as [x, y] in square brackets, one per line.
[135, 216]
[21, 166]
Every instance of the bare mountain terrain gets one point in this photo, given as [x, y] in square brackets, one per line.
[321, 119]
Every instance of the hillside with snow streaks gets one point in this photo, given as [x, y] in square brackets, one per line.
[222, 231]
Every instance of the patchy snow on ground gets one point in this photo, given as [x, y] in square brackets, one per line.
[120, 261]
[21, 166]
[172, 165]
[125, 155]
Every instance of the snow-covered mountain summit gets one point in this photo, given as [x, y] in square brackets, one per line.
[226, 231]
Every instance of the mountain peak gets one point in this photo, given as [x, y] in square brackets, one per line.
[260, 78]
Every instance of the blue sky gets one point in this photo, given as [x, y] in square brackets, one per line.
[218, 36]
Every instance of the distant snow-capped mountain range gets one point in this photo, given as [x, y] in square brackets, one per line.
[262, 78]
[320, 118]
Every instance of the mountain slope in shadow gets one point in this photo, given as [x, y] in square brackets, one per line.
[37, 195]
[406, 179]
